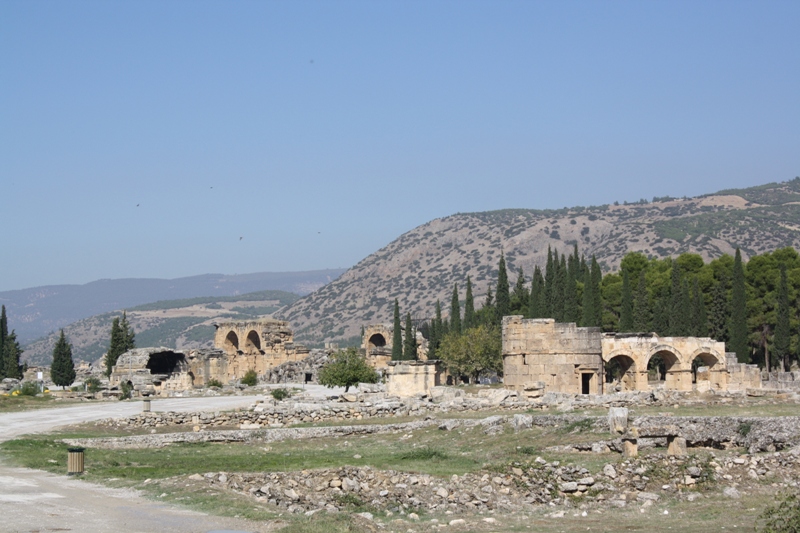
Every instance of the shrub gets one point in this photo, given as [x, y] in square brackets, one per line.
[783, 517]
[126, 389]
[744, 428]
[214, 383]
[250, 378]
[423, 454]
[527, 450]
[29, 388]
[92, 384]
[280, 394]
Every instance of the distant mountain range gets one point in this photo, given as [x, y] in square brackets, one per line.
[421, 265]
[37, 311]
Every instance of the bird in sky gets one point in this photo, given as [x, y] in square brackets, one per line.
[137, 205]
[240, 238]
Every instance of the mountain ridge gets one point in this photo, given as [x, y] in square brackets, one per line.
[421, 265]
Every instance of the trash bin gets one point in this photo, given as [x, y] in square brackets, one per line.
[74, 461]
[145, 406]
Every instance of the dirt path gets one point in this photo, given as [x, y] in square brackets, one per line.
[36, 501]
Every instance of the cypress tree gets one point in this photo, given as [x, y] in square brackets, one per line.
[588, 298]
[559, 309]
[536, 300]
[469, 307]
[62, 371]
[674, 327]
[397, 335]
[661, 316]
[549, 284]
[128, 336]
[641, 306]
[436, 332]
[718, 323]
[455, 312]
[502, 296]
[410, 344]
[699, 316]
[520, 297]
[11, 357]
[597, 304]
[3, 335]
[571, 308]
[488, 311]
[685, 325]
[116, 346]
[737, 327]
[781, 343]
[626, 309]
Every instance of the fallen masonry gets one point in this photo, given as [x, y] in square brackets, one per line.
[518, 487]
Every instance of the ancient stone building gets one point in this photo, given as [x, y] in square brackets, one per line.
[377, 345]
[540, 355]
[256, 345]
[410, 378]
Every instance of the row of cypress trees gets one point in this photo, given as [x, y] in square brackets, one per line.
[123, 338]
[404, 347]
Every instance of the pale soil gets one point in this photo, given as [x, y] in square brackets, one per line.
[36, 501]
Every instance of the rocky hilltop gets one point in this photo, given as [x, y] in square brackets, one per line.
[421, 265]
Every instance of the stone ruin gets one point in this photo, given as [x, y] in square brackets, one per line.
[541, 355]
[239, 347]
[377, 345]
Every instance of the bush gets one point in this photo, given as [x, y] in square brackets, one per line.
[29, 388]
[214, 383]
[423, 454]
[280, 394]
[92, 384]
[250, 378]
[784, 517]
[126, 389]
[744, 428]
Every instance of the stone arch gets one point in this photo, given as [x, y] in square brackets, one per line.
[377, 340]
[672, 367]
[231, 342]
[707, 370]
[620, 372]
[252, 343]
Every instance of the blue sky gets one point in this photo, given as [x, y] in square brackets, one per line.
[276, 136]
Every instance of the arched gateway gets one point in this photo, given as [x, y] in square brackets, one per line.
[542, 355]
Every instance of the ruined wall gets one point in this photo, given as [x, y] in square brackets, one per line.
[377, 344]
[409, 378]
[539, 353]
[254, 345]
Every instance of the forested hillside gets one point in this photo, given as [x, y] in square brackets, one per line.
[422, 265]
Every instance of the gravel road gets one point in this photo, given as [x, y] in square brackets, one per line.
[35, 501]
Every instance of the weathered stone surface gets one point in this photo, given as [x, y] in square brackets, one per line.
[677, 446]
[618, 419]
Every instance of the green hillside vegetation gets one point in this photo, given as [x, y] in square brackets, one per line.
[421, 266]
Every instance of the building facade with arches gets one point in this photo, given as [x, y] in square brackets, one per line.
[541, 355]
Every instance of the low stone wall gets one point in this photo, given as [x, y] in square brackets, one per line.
[520, 487]
[781, 380]
[243, 435]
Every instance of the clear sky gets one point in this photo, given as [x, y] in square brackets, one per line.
[173, 138]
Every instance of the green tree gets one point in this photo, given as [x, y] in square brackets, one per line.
[128, 335]
[592, 297]
[559, 285]
[397, 334]
[455, 312]
[347, 368]
[469, 307]
[572, 311]
[475, 352]
[549, 284]
[410, 341]
[626, 310]
[641, 306]
[62, 370]
[536, 308]
[737, 328]
[718, 322]
[436, 332]
[699, 322]
[502, 296]
[3, 335]
[781, 342]
[519, 296]
[11, 357]
[488, 313]
[116, 346]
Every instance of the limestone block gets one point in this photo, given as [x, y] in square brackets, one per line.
[618, 419]
[630, 448]
[676, 446]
